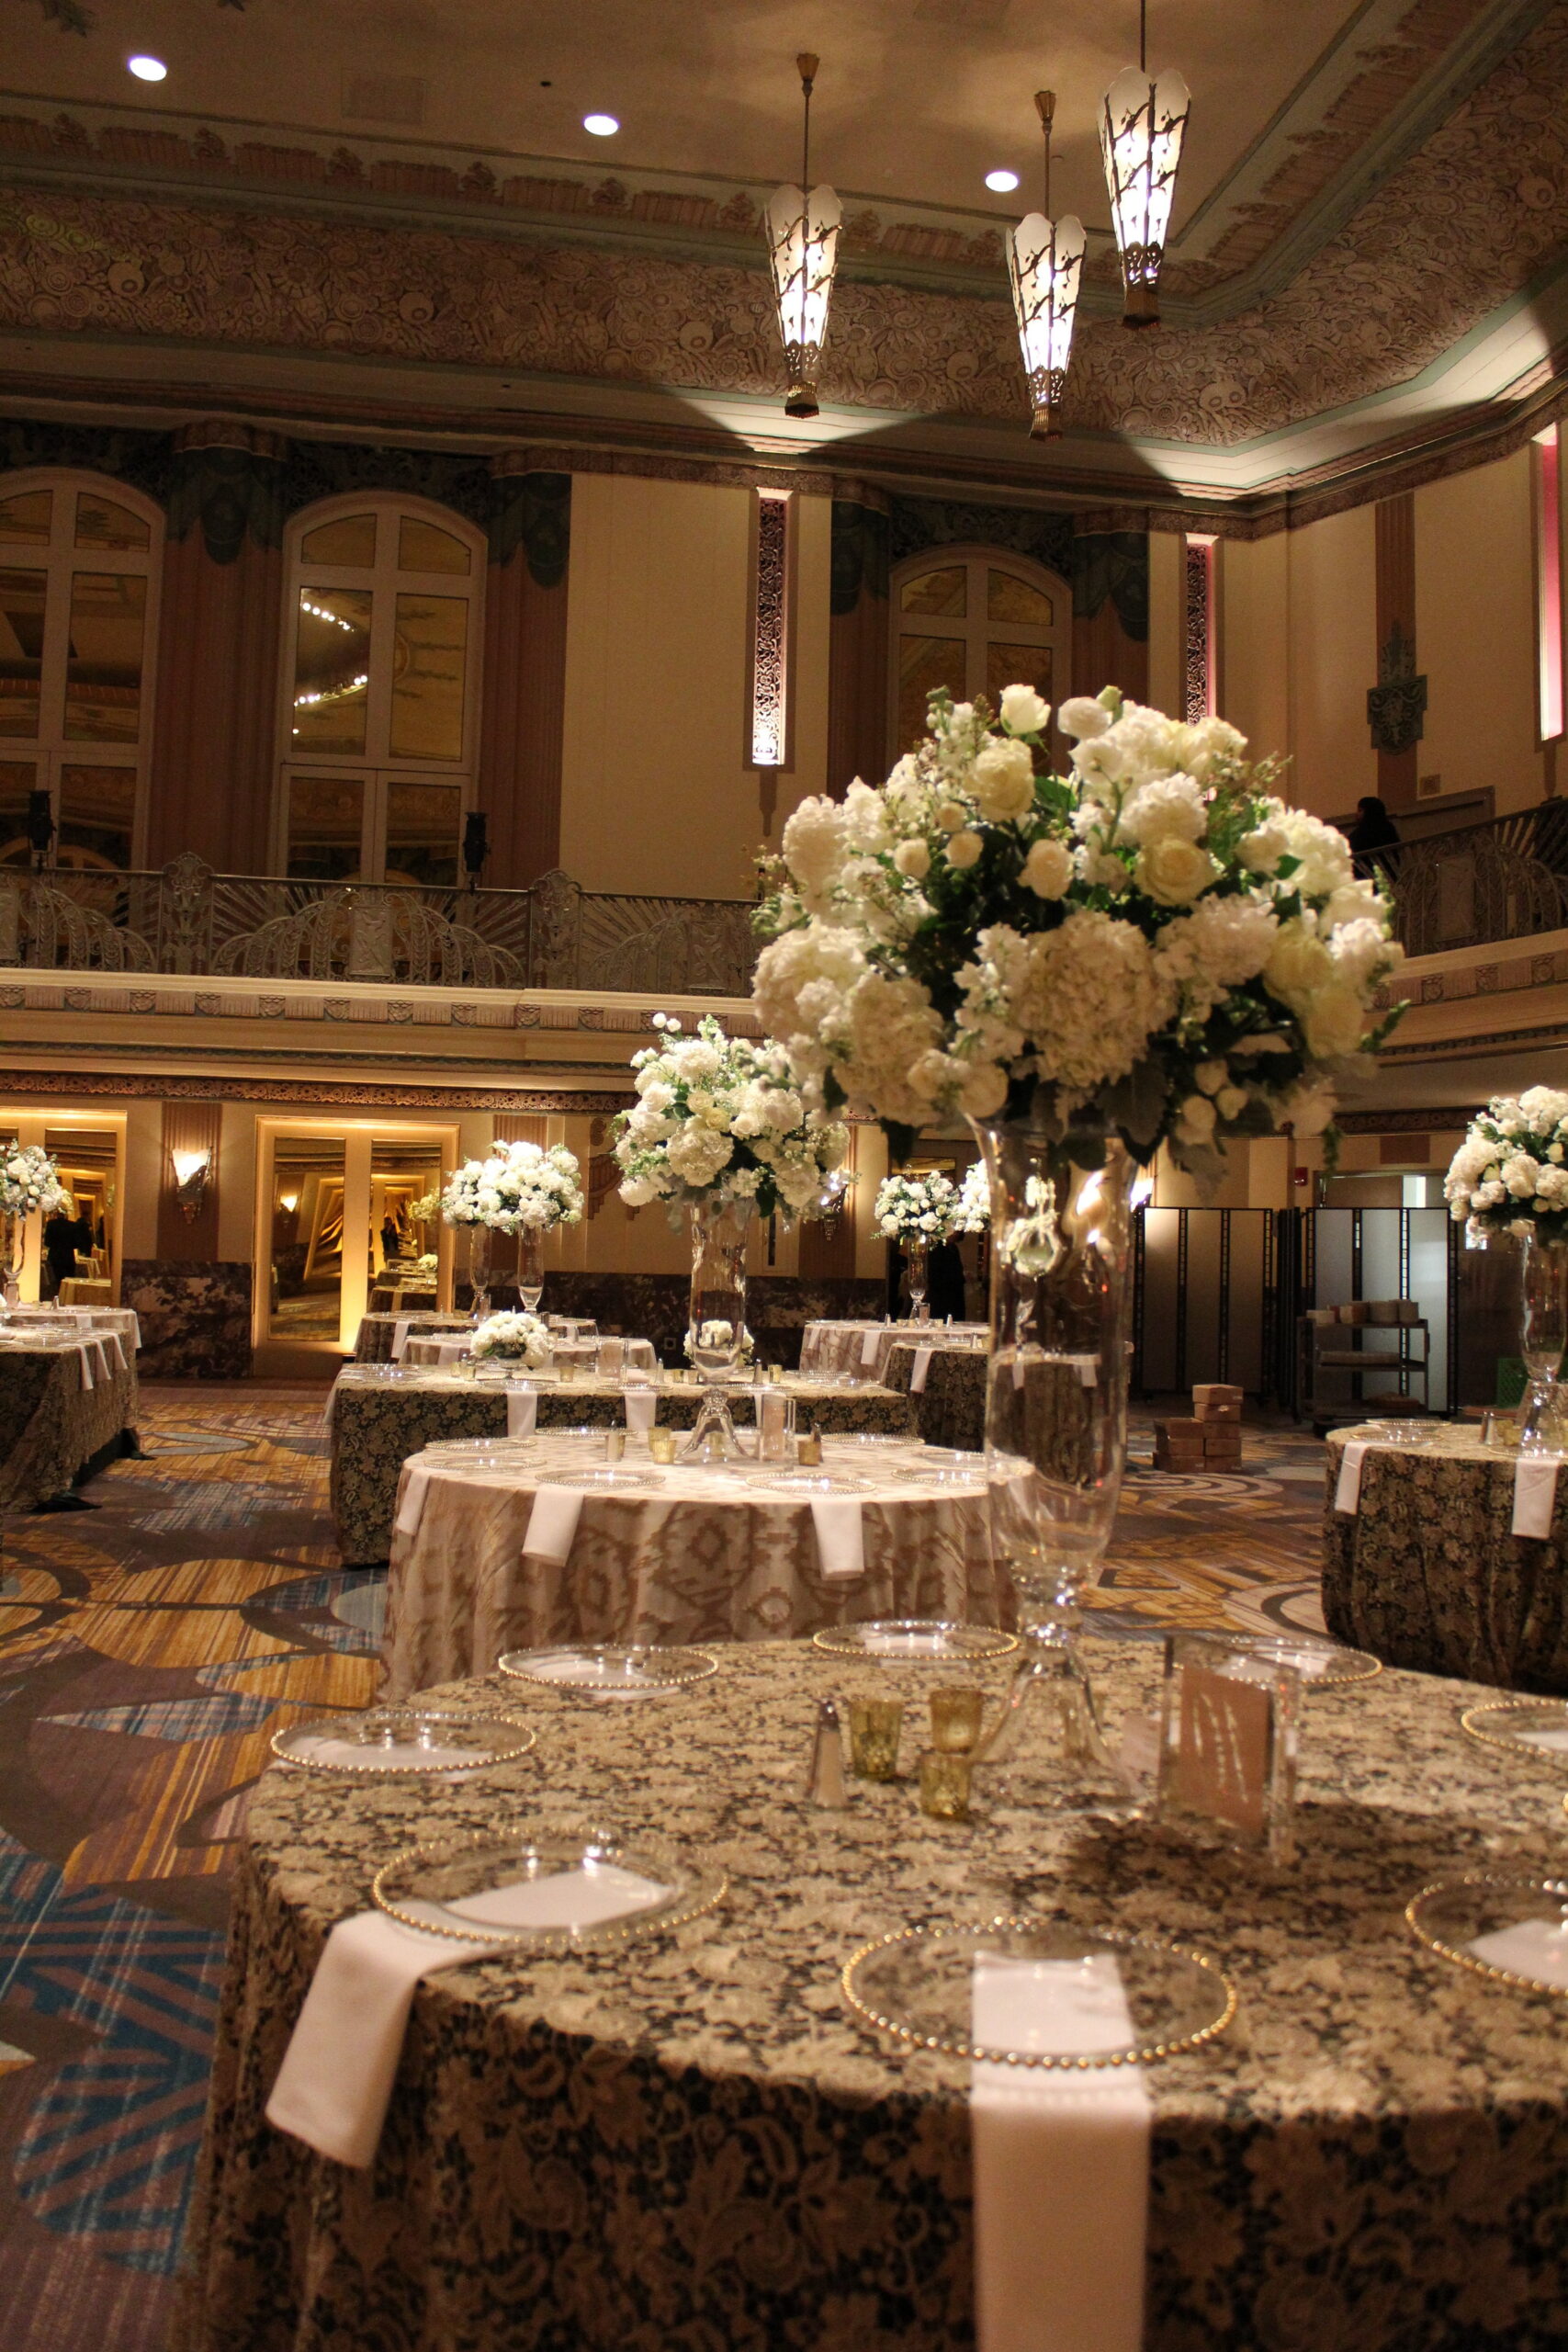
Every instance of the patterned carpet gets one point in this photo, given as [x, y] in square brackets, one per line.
[147, 1651]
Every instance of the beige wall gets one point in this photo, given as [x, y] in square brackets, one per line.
[1476, 632]
[1167, 621]
[656, 795]
[1299, 615]
[1256, 613]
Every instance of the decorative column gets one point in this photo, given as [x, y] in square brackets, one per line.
[857, 641]
[214, 747]
[523, 720]
[1110, 607]
[1396, 706]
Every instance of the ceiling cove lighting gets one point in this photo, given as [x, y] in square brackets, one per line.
[1044, 262]
[1003, 182]
[801, 225]
[602, 126]
[146, 69]
[1142, 128]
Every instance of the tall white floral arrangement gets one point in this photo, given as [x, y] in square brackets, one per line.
[974, 1199]
[919, 1210]
[30, 1180]
[719, 1118]
[1152, 944]
[1510, 1174]
[521, 1187]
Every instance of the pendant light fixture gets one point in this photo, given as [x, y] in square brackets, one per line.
[1141, 132]
[801, 225]
[1044, 259]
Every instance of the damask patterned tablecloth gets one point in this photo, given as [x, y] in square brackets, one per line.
[1427, 1572]
[839, 1348]
[689, 2146]
[372, 1341]
[51, 1426]
[704, 1555]
[950, 1409]
[377, 1423]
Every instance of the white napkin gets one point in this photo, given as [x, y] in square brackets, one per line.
[1535, 1498]
[401, 1336]
[642, 1407]
[101, 1348]
[1061, 2164]
[1530, 1947]
[919, 1369]
[841, 1542]
[410, 1503]
[552, 1524]
[522, 1411]
[452, 1351]
[1348, 1493]
[111, 1340]
[870, 1342]
[84, 1352]
[337, 2072]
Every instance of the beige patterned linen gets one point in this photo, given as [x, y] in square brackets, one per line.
[51, 1426]
[1427, 1572]
[56, 1322]
[689, 2146]
[372, 1341]
[703, 1555]
[436, 1347]
[837, 1350]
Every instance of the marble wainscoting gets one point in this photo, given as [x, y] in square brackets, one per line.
[653, 1307]
[195, 1321]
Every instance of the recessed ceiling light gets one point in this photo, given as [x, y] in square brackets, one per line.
[147, 69]
[602, 126]
[1003, 182]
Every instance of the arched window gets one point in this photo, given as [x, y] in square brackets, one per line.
[380, 693]
[974, 620]
[79, 563]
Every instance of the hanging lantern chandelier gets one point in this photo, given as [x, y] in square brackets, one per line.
[1140, 131]
[801, 225]
[1044, 259]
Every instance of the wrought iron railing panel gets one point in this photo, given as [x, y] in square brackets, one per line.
[1506, 879]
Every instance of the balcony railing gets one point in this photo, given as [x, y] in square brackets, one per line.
[1505, 878]
[553, 934]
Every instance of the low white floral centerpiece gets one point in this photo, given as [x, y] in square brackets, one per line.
[1510, 1174]
[721, 1118]
[918, 1210]
[516, 1339]
[29, 1180]
[521, 1187]
[716, 1337]
[1153, 945]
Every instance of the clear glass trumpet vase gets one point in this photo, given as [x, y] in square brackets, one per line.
[531, 1267]
[1545, 1419]
[715, 1329]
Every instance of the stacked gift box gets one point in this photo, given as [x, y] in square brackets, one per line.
[1210, 1440]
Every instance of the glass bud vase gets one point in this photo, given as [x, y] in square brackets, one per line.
[916, 1261]
[1056, 1443]
[716, 1330]
[531, 1267]
[1544, 1427]
[480, 1246]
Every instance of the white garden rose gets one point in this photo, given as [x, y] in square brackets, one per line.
[913, 858]
[964, 850]
[1174, 872]
[1332, 1022]
[1002, 781]
[1082, 716]
[1172, 809]
[1023, 711]
[1048, 869]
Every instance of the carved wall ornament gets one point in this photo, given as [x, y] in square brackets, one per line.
[1396, 706]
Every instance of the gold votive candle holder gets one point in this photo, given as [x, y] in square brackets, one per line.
[661, 1445]
[957, 1710]
[875, 1728]
[944, 1784]
[809, 1451]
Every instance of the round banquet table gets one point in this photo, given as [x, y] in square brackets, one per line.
[950, 1403]
[702, 1554]
[377, 1335]
[377, 1423]
[859, 1350]
[689, 2144]
[1427, 1573]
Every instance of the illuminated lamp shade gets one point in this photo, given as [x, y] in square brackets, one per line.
[1140, 131]
[1044, 260]
[801, 225]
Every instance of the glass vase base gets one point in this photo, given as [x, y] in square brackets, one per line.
[713, 1437]
[1046, 1751]
[480, 1311]
[1543, 1429]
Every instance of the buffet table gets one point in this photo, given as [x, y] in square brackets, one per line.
[67, 1400]
[378, 1421]
[699, 1554]
[689, 2141]
[377, 1339]
[1427, 1570]
[859, 1350]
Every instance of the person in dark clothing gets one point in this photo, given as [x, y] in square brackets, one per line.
[945, 1291]
[1373, 829]
[390, 1244]
[62, 1237]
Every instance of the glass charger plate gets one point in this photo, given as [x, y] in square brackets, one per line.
[1510, 1930]
[864, 1440]
[400, 1740]
[457, 1447]
[1535, 1731]
[810, 1482]
[947, 1476]
[612, 1477]
[610, 1669]
[548, 1888]
[916, 1638]
[1324, 1663]
[1047, 1995]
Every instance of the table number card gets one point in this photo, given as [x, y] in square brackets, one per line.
[1227, 1754]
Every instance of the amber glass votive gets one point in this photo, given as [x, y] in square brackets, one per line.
[661, 1445]
[945, 1784]
[875, 1726]
[956, 1712]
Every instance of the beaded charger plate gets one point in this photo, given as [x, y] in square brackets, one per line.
[1509, 1930]
[603, 1667]
[400, 1740]
[1324, 1663]
[915, 1640]
[546, 1887]
[1038, 1992]
[1532, 1731]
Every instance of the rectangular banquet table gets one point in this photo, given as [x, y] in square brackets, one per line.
[859, 1350]
[702, 1554]
[53, 1425]
[378, 1421]
[1426, 1572]
[691, 2142]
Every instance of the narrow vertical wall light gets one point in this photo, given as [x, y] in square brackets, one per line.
[801, 225]
[1547, 455]
[1200, 698]
[1140, 131]
[1044, 260]
[769, 632]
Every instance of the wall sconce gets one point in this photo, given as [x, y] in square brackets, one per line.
[288, 1201]
[192, 1169]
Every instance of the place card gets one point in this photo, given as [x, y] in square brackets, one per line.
[1228, 1743]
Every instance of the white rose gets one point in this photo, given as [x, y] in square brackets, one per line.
[1002, 781]
[1520, 1177]
[1048, 869]
[1331, 1022]
[1230, 1102]
[1080, 716]
[951, 816]
[1260, 852]
[962, 849]
[1174, 872]
[914, 859]
[637, 1193]
[1023, 711]
[1298, 964]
